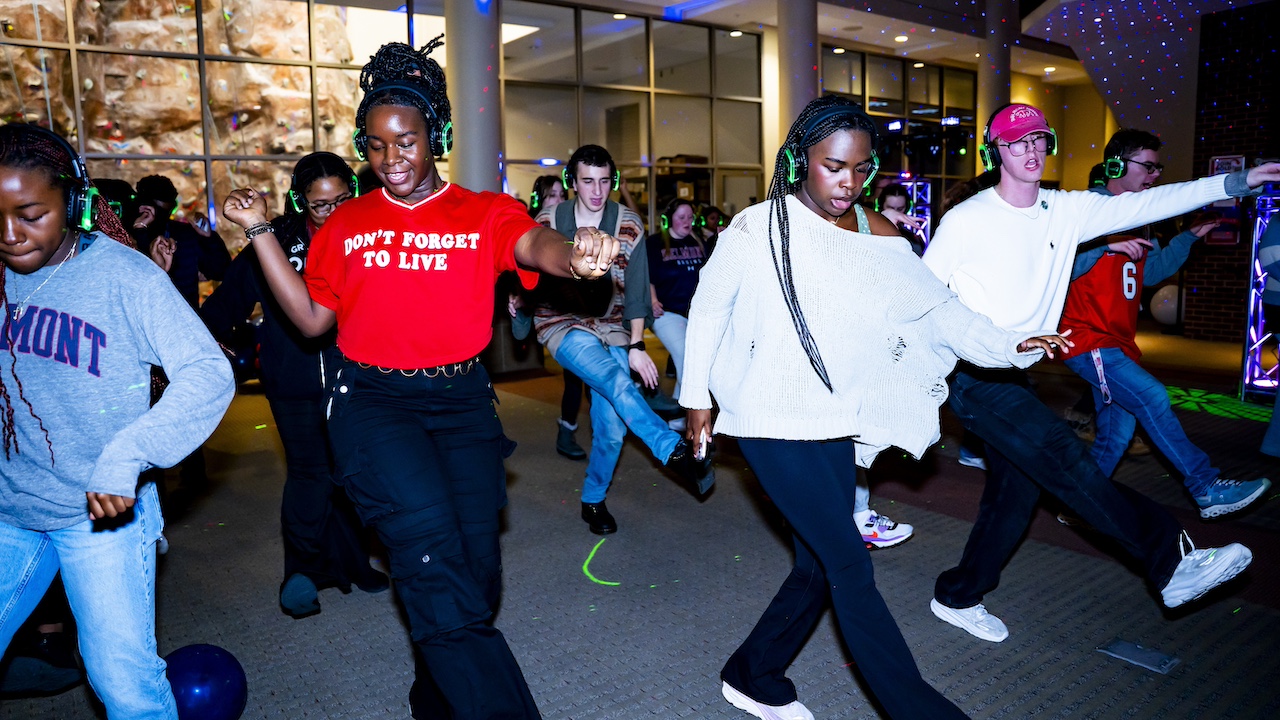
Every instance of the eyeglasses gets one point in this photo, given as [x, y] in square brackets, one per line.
[1150, 167]
[1018, 148]
[326, 207]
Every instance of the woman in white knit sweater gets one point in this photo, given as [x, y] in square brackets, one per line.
[823, 347]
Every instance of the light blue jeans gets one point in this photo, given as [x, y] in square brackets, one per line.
[1136, 397]
[110, 578]
[616, 405]
[670, 330]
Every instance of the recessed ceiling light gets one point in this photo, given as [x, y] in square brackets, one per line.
[900, 39]
[977, 54]
[918, 65]
[1050, 69]
[735, 33]
[619, 16]
[838, 51]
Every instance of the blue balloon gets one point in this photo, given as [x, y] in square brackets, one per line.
[208, 683]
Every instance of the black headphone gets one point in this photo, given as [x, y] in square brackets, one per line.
[798, 159]
[440, 138]
[567, 178]
[672, 207]
[1114, 168]
[989, 152]
[299, 203]
[82, 211]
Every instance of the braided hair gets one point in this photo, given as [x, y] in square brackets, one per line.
[819, 119]
[27, 147]
[400, 64]
[318, 166]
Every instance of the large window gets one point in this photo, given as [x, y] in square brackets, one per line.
[677, 104]
[925, 113]
[217, 94]
[235, 99]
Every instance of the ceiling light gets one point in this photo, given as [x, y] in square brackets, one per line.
[918, 65]
[838, 51]
[900, 39]
[1050, 69]
[619, 16]
[977, 54]
[736, 33]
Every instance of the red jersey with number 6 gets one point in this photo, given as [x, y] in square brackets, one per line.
[413, 285]
[1102, 306]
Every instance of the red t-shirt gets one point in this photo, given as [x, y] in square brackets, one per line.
[412, 285]
[1102, 306]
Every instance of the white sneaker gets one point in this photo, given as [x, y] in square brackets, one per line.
[879, 532]
[794, 710]
[1203, 570]
[975, 620]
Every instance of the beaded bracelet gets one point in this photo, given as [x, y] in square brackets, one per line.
[258, 229]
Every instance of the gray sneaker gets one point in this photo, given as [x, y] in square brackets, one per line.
[1228, 496]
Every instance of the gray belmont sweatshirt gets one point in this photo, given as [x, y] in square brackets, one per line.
[83, 343]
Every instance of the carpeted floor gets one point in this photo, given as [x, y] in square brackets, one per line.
[691, 579]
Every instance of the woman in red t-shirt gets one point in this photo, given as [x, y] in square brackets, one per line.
[407, 273]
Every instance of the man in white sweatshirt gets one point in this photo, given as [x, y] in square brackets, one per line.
[1008, 253]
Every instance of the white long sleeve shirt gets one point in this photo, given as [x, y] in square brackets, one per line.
[887, 330]
[1014, 264]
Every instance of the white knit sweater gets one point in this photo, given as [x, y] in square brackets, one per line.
[889, 333]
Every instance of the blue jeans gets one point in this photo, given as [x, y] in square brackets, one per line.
[616, 405]
[1138, 397]
[1029, 449]
[670, 328]
[812, 483]
[109, 571]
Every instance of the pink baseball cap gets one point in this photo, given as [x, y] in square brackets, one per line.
[1018, 121]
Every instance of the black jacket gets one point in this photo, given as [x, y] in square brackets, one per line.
[291, 362]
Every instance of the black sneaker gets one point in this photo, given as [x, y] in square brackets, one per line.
[699, 474]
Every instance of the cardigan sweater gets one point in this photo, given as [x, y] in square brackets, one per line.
[888, 331]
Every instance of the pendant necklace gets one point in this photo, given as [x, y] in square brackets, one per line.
[17, 309]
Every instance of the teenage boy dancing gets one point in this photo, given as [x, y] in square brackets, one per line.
[1102, 315]
[1007, 252]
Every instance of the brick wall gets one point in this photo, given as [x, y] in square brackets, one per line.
[1237, 113]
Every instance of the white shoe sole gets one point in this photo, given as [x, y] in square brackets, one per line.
[880, 543]
[791, 711]
[1214, 511]
[1224, 573]
[950, 616]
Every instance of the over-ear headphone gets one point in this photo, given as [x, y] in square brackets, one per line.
[675, 205]
[911, 203]
[567, 178]
[798, 160]
[989, 152]
[439, 139]
[296, 197]
[82, 198]
[1114, 168]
